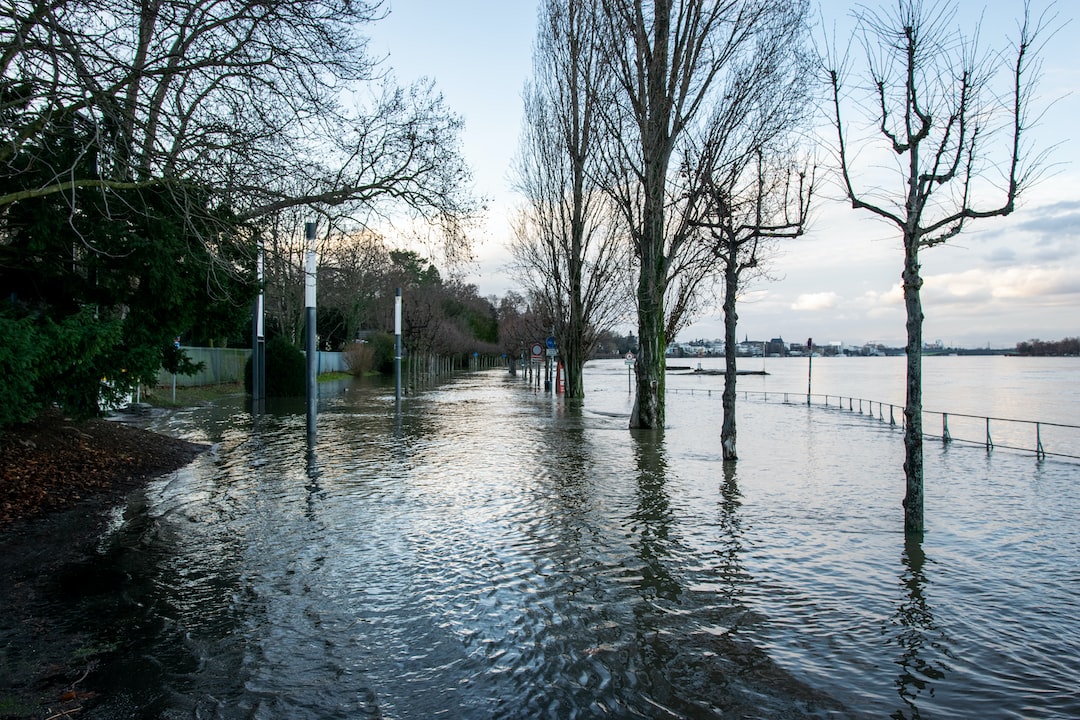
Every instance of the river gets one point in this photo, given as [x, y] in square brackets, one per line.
[491, 552]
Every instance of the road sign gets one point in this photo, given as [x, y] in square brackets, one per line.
[629, 358]
[551, 342]
[537, 351]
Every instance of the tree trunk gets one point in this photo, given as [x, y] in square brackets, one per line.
[731, 318]
[573, 358]
[652, 281]
[913, 440]
[648, 404]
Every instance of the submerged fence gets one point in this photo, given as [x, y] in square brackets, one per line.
[226, 365]
[426, 370]
[1043, 439]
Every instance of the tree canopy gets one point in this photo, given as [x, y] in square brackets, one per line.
[147, 148]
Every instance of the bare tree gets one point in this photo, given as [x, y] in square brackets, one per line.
[668, 59]
[749, 207]
[519, 325]
[956, 140]
[352, 265]
[282, 238]
[568, 247]
[351, 270]
[230, 96]
[746, 186]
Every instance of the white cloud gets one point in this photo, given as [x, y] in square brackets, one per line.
[1050, 285]
[816, 301]
[880, 305]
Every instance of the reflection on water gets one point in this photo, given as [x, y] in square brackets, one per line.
[652, 518]
[483, 551]
[920, 639]
[732, 574]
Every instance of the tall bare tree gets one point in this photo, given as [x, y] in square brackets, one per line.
[568, 246]
[747, 185]
[668, 59]
[956, 142]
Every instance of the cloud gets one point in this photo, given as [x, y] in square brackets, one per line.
[816, 301]
[1049, 285]
[1034, 282]
[879, 305]
[962, 288]
[1061, 218]
[1001, 256]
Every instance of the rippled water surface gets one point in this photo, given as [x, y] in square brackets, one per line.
[493, 553]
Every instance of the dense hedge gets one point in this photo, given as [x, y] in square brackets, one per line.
[286, 370]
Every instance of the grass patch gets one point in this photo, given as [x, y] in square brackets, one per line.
[162, 396]
[90, 651]
[16, 707]
[330, 376]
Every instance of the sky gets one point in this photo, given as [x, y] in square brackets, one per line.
[1002, 281]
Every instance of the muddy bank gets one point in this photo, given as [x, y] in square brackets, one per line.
[59, 482]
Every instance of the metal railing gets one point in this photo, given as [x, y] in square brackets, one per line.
[990, 432]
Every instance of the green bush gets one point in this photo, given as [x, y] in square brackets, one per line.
[286, 370]
[18, 354]
[68, 363]
[382, 345]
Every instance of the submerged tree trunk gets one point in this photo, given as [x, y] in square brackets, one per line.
[913, 440]
[657, 142]
[731, 318]
[911, 52]
[649, 402]
[573, 359]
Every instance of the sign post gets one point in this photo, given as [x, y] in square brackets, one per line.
[537, 354]
[809, 367]
[309, 344]
[258, 342]
[397, 345]
[629, 364]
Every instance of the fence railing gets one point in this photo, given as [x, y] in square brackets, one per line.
[1042, 439]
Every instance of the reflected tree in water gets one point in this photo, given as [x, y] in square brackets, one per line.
[659, 659]
[652, 519]
[923, 644]
[732, 574]
[568, 500]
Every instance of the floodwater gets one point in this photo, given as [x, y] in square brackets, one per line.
[489, 552]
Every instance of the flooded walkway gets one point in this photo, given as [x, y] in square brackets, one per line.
[493, 553]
